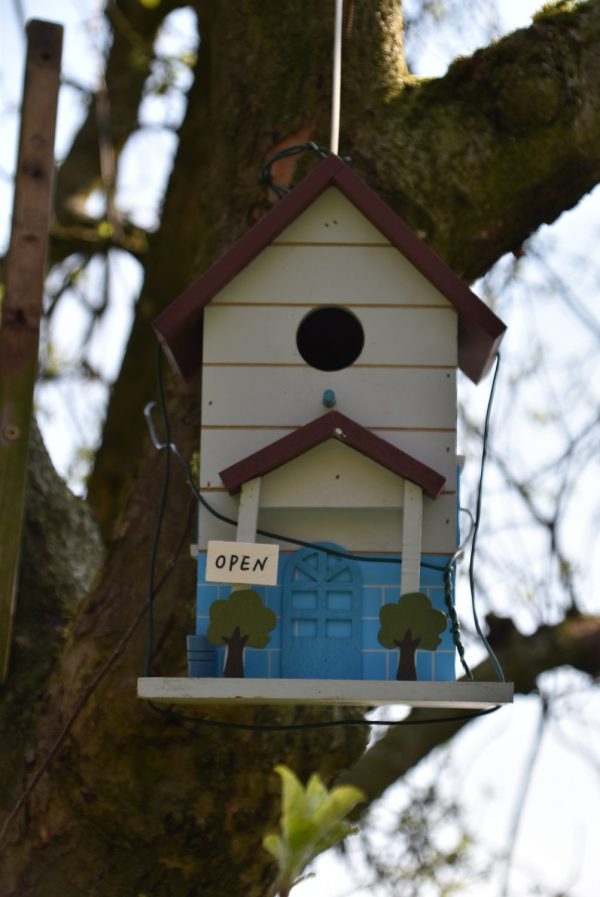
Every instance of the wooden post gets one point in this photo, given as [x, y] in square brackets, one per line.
[22, 304]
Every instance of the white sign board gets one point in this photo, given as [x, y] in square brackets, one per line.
[242, 562]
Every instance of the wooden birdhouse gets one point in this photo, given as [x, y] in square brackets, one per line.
[328, 340]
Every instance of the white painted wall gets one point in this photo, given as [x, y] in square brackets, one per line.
[332, 219]
[355, 275]
[369, 530]
[332, 475]
[394, 335]
[376, 397]
[221, 448]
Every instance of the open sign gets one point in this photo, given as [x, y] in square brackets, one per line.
[242, 562]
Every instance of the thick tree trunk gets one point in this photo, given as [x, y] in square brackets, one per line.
[130, 801]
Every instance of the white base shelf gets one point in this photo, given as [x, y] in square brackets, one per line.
[446, 695]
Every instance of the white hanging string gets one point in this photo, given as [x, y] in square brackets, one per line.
[337, 78]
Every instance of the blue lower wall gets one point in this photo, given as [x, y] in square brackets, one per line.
[380, 585]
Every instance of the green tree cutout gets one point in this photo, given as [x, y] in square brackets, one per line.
[412, 623]
[239, 621]
[312, 820]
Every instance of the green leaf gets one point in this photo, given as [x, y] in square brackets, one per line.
[316, 791]
[333, 837]
[274, 845]
[292, 795]
[338, 804]
[312, 820]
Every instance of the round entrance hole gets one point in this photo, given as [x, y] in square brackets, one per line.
[330, 339]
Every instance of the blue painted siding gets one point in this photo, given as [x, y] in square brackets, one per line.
[380, 585]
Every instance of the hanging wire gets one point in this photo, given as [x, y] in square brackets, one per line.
[484, 450]
[265, 176]
[336, 80]
[159, 518]
[447, 570]
[180, 718]
[278, 537]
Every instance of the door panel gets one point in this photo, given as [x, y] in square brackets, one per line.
[321, 617]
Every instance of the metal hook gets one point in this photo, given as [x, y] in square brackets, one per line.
[150, 423]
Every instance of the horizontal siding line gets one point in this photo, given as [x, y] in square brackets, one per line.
[310, 507]
[274, 364]
[378, 651]
[366, 551]
[391, 651]
[379, 244]
[297, 426]
[306, 304]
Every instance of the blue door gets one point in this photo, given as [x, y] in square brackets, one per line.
[321, 617]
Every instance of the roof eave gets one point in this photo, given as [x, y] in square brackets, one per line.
[332, 425]
[179, 326]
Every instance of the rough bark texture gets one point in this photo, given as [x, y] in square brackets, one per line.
[130, 802]
[62, 553]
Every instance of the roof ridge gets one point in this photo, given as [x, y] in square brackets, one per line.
[332, 425]
[179, 326]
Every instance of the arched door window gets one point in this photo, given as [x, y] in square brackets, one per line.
[321, 617]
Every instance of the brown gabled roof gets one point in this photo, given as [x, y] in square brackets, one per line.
[332, 425]
[179, 327]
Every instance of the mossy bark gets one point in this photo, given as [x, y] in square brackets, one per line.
[133, 802]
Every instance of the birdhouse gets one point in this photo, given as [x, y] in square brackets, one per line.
[328, 341]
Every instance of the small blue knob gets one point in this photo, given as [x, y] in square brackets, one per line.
[329, 398]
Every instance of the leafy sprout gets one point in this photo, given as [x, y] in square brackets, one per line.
[312, 821]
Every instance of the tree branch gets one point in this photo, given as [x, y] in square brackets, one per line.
[573, 642]
[505, 142]
[128, 66]
[82, 234]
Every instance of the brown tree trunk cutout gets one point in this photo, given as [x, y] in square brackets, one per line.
[407, 668]
[234, 663]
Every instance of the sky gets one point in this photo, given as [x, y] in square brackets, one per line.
[490, 761]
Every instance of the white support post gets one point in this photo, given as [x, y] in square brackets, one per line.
[247, 517]
[248, 511]
[412, 530]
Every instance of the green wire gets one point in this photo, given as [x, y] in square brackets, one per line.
[159, 521]
[331, 724]
[484, 448]
[446, 570]
[265, 174]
